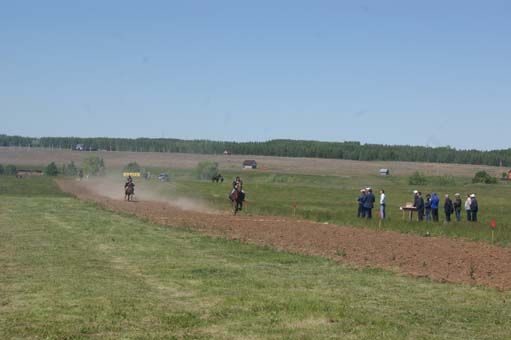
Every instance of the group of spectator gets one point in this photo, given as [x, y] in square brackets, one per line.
[428, 208]
[366, 203]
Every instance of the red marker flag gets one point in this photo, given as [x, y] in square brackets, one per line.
[493, 224]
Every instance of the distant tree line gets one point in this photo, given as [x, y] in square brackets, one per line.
[92, 165]
[278, 147]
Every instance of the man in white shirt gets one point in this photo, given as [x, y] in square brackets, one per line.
[467, 208]
[382, 204]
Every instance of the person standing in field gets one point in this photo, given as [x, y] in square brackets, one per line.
[448, 208]
[457, 206]
[435, 202]
[427, 206]
[420, 206]
[382, 204]
[360, 201]
[369, 203]
[474, 208]
[467, 208]
[415, 197]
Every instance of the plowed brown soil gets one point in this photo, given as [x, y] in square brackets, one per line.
[440, 259]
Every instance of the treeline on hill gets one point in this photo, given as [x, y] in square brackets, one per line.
[278, 147]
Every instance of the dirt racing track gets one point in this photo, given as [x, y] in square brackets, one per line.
[440, 259]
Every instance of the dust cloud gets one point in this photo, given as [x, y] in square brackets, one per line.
[145, 191]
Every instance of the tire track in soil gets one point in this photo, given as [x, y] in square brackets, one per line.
[440, 259]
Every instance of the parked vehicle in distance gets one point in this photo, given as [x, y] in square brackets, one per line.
[163, 177]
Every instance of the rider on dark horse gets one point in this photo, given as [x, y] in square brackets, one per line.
[217, 178]
[129, 183]
[237, 193]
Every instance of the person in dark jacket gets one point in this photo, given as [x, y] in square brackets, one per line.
[448, 208]
[427, 206]
[415, 197]
[360, 201]
[457, 206]
[435, 202]
[419, 205]
[369, 203]
[474, 208]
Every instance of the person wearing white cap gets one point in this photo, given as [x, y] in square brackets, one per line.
[415, 198]
[474, 207]
[467, 208]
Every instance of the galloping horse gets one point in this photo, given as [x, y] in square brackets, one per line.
[129, 191]
[217, 178]
[237, 197]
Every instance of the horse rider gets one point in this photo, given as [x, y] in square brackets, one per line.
[129, 183]
[239, 198]
[237, 181]
[218, 178]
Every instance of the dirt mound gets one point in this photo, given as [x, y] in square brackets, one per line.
[440, 259]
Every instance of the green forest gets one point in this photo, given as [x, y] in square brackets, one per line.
[277, 147]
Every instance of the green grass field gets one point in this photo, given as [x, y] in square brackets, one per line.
[333, 199]
[29, 187]
[71, 270]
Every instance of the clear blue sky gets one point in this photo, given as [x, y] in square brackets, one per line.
[393, 72]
